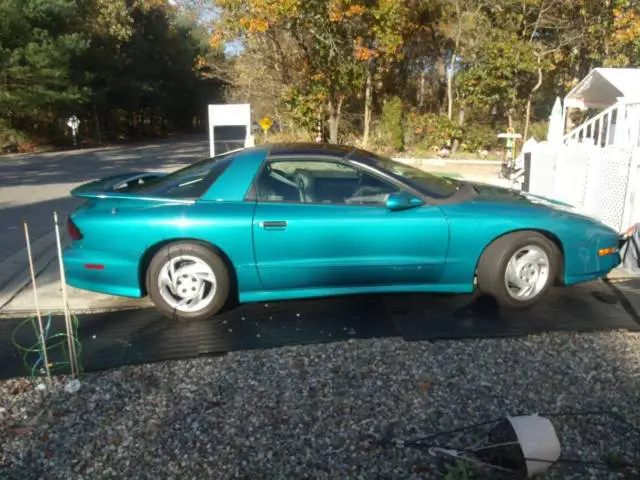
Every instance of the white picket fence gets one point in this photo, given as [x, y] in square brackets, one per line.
[598, 182]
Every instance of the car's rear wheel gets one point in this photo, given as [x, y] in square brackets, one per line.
[518, 269]
[188, 281]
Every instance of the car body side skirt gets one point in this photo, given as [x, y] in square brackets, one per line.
[292, 294]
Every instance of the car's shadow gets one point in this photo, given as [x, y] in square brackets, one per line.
[139, 336]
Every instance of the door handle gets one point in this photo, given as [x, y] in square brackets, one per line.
[274, 224]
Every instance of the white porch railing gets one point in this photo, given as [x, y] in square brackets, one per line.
[618, 125]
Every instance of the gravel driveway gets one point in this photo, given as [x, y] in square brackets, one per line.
[323, 411]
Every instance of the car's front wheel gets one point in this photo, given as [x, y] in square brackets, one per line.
[518, 269]
[187, 281]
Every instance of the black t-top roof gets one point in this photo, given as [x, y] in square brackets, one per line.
[308, 148]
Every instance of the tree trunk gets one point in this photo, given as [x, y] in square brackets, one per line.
[453, 63]
[450, 87]
[527, 116]
[456, 141]
[334, 119]
[96, 119]
[320, 129]
[529, 100]
[333, 128]
[278, 118]
[441, 68]
[368, 101]
[423, 81]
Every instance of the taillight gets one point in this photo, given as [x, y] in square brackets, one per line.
[74, 231]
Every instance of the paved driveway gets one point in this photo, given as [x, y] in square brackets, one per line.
[33, 186]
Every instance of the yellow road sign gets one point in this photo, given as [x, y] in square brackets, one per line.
[265, 123]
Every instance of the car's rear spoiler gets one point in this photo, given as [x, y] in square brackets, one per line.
[114, 186]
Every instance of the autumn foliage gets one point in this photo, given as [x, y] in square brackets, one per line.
[445, 69]
[476, 62]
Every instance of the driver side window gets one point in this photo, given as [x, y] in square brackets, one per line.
[320, 182]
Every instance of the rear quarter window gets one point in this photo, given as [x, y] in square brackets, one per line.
[187, 183]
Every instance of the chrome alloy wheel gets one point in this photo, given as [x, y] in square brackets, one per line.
[187, 283]
[527, 272]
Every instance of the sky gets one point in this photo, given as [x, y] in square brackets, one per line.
[233, 48]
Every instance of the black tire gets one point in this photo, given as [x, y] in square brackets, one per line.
[203, 253]
[493, 264]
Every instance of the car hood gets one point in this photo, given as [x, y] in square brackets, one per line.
[484, 193]
[494, 193]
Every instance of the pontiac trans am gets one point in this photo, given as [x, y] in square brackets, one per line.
[287, 221]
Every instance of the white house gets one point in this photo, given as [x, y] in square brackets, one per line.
[614, 91]
[595, 166]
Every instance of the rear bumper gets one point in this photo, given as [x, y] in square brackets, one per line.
[101, 272]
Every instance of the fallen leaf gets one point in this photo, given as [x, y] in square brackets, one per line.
[424, 386]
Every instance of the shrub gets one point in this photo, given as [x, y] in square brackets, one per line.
[539, 130]
[432, 131]
[10, 135]
[479, 136]
[392, 123]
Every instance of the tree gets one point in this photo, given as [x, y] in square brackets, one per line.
[623, 44]
[392, 120]
[319, 62]
[39, 42]
[463, 19]
[498, 73]
[127, 67]
[144, 67]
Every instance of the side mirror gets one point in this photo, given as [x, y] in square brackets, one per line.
[402, 201]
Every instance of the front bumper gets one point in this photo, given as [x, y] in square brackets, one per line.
[592, 258]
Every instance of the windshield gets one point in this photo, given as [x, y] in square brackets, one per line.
[188, 182]
[426, 183]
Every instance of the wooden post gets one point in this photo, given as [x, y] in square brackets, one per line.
[527, 172]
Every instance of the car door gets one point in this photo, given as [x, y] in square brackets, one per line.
[311, 230]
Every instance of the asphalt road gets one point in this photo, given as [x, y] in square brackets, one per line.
[32, 187]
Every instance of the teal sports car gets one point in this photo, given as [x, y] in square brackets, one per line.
[288, 221]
